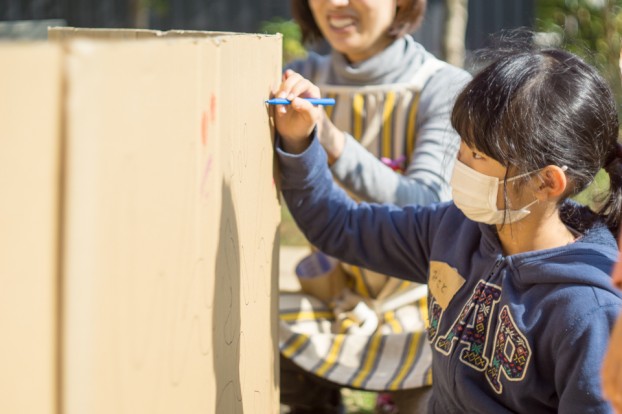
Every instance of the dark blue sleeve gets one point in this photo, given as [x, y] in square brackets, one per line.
[579, 360]
[384, 238]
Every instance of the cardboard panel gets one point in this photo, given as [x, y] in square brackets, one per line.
[30, 81]
[171, 245]
[250, 66]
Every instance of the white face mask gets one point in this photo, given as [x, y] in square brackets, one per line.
[475, 194]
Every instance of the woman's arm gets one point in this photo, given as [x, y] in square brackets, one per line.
[426, 179]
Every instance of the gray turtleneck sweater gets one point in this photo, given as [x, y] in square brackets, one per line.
[402, 90]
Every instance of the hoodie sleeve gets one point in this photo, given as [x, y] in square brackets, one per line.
[383, 238]
[577, 368]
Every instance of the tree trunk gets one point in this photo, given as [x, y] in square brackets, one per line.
[456, 18]
[139, 14]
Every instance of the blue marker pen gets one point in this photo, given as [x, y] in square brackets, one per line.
[314, 101]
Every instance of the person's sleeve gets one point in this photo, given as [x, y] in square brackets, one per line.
[383, 238]
[306, 67]
[427, 177]
[296, 66]
[577, 368]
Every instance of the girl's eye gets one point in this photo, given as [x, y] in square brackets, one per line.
[476, 156]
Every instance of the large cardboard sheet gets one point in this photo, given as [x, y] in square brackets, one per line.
[30, 131]
[171, 246]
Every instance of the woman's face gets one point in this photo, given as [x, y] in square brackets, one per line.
[356, 28]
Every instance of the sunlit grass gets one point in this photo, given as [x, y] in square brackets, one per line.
[289, 232]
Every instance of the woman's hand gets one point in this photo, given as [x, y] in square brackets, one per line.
[612, 368]
[295, 122]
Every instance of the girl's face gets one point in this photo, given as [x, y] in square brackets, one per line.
[356, 28]
[486, 165]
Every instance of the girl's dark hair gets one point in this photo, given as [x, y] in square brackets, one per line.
[407, 20]
[533, 108]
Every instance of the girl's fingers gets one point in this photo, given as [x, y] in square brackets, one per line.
[288, 73]
[303, 88]
[302, 106]
[295, 85]
[288, 84]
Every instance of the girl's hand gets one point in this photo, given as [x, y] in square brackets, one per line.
[612, 368]
[296, 121]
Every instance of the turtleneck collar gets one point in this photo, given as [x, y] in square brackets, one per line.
[393, 65]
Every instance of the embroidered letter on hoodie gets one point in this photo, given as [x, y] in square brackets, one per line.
[472, 330]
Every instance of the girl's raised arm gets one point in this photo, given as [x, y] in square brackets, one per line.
[295, 122]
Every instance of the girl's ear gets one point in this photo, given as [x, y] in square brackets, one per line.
[553, 181]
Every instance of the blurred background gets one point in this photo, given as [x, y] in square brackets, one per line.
[452, 29]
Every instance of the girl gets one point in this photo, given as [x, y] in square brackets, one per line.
[388, 139]
[520, 298]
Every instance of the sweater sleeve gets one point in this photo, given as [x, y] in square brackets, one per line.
[428, 175]
[577, 368]
[383, 238]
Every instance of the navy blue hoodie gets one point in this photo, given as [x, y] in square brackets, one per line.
[523, 333]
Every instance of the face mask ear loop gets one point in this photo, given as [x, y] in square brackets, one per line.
[516, 177]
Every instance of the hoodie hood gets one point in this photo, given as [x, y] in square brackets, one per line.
[589, 260]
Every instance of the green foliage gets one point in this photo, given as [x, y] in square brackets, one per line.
[589, 28]
[161, 7]
[593, 195]
[359, 402]
[292, 37]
